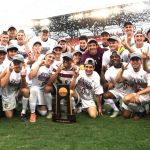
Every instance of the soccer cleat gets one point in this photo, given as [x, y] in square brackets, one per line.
[23, 117]
[49, 115]
[114, 114]
[33, 117]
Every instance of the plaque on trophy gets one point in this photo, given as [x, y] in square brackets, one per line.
[63, 105]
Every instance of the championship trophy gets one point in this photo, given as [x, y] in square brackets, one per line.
[63, 105]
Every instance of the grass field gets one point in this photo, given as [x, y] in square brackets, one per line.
[103, 133]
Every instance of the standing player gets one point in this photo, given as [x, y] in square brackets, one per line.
[83, 39]
[47, 43]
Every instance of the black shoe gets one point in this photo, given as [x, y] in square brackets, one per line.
[23, 117]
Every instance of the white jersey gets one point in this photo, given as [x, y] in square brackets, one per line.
[21, 48]
[28, 68]
[110, 76]
[42, 76]
[47, 45]
[88, 86]
[56, 62]
[132, 39]
[7, 62]
[2, 68]
[137, 80]
[14, 84]
[106, 57]
[144, 48]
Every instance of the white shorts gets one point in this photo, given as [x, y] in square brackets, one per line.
[88, 103]
[37, 95]
[119, 95]
[9, 102]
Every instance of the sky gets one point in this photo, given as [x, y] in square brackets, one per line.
[21, 12]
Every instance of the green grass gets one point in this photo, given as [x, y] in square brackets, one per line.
[103, 133]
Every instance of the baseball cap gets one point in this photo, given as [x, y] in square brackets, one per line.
[61, 39]
[67, 54]
[45, 29]
[127, 23]
[139, 32]
[89, 61]
[3, 49]
[19, 58]
[37, 42]
[76, 51]
[12, 47]
[57, 46]
[115, 53]
[92, 41]
[114, 38]
[135, 55]
[50, 52]
[12, 28]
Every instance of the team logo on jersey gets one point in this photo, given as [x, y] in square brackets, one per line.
[43, 76]
[84, 88]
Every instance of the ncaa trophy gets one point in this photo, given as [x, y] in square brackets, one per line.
[63, 105]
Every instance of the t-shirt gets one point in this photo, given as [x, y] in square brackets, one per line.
[106, 56]
[2, 68]
[42, 76]
[14, 84]
[110, 76]
[47, 45]
[144, 48]
[65, 76]
[21, 48]
[97, 58]
[88, 86]
[137, 80]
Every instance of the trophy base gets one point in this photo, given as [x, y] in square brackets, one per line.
[69, 119]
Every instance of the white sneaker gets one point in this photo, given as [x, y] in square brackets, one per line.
[49, 115]
[114, 114]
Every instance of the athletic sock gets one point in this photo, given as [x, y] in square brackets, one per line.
[24, 104]
[112, 104]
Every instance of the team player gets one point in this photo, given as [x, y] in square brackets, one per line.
[62, 74]
[87, 85]
[83, 39]
[138, 80]
[116, 91]
[47, 43]
[3, 52]
[129, 33]
[40, 73]
[13, 85]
